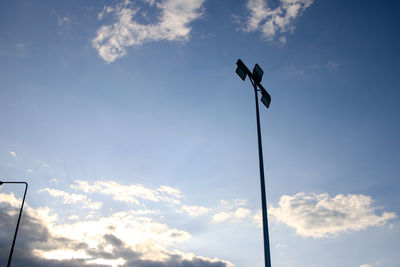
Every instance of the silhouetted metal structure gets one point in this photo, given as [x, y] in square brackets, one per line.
[255, 79]
[19, 219]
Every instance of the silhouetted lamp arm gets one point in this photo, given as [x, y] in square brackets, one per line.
[19, 218]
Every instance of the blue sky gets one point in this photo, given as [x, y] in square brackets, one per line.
[138, 139]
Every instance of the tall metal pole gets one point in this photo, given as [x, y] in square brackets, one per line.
[267, 256]
[19, 219]
[255, 79]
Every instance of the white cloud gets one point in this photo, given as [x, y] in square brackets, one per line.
[222, 216]
[53, 180]
[151, 238]
[124, 193]
[293, 70]
[130, 193]
[63, 20]
[123, 237]
[279, 245]
[283, 40]
[240, 202]
[377, 263]
[332, 65]
[224, 202]
[29, 170]
[71, 198]
[73, 217]
[237, 202]
[10, 199]
[235, 215]
[232, 210]
[193, 211]
[42, 213]
[169, 194]
[319, 215]
[257, 218]
[241, 213]
[172, 24]
[274, 21]
[170, 191]
[13, 154]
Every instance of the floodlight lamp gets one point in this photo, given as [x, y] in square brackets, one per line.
[242, 70]
[265, 98]
[242, 74]
[257, 73]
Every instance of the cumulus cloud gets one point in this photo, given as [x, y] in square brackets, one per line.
[234, 211]
[238, 214]
[172, 24]
[222, 216]
[71, 198]
[319, 215]
[118, 239]
[257, 218]
[272, 22]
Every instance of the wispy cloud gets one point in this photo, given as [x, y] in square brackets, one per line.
[319, 215]
[272, 22]
[279, 245]
[65, 23]
[332, 65]
[169, 194]
[71, 198]
[193, 211]
[13, 154]
[172, 24]
[132, 193]
[120, 192]
[63, 20]
[20, 49]
[293, 70]
[53, 180]
[170, 191]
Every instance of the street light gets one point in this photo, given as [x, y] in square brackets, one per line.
[19, 218]
[255, 79]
